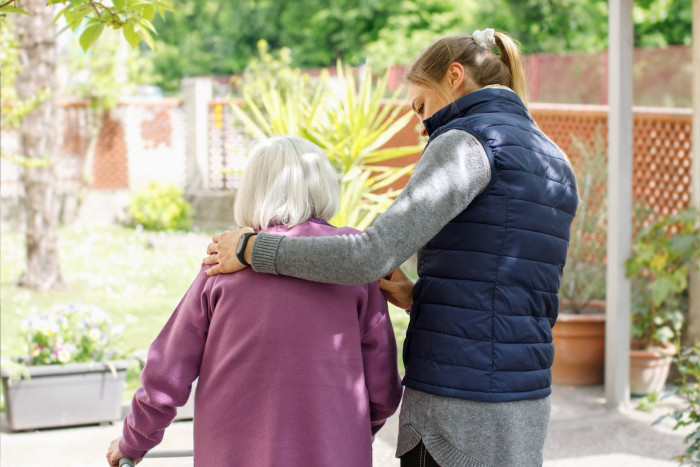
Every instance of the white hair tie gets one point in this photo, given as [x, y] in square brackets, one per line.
[484, 39]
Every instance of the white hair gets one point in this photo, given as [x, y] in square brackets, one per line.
[288, 180]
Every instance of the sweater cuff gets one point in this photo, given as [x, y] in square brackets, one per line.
[264, 251]
[128, 452]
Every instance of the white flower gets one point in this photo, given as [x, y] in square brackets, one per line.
[62, 355]
[95, 334]
[484, 39]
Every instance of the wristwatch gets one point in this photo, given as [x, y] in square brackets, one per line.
[240, 248]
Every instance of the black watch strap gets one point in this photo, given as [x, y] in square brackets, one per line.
[240, 248]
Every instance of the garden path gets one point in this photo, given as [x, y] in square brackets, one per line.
[582, 432]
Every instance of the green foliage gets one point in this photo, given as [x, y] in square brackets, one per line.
[415, 25]
[548, 25]
[584, 274]
[105, 73]
[563, 25]
[660, 23]
[132, 17]
[160, 206]
[352, 133]
[269, 70]
[688, 363]
[663, 255]
[350, 124]
[322, 32]
[203, 37]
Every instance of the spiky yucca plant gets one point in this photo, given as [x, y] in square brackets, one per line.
[350, 126]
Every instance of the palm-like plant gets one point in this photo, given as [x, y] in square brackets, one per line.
[351, 126]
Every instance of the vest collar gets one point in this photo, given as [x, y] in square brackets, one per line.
[479, 101]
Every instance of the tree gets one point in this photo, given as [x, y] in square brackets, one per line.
[660, 23]
[549, 25]
[416, 24]
[38, 143]
[319, 32]
[562, 25]
[36, 33]
[204, 37]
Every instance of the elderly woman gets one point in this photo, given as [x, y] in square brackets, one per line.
[291, 372]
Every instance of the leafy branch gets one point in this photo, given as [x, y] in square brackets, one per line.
[133, 17]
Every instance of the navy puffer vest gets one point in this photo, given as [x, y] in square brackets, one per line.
[486, 301]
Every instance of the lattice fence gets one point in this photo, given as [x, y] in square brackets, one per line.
[661, 164]
[228, 144]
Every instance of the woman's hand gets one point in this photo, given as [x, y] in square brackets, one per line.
[398, 288]
[114, 454]
[222, 251]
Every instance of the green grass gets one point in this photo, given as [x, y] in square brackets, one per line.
[139, 277]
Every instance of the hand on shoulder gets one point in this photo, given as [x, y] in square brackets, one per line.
[222, 252]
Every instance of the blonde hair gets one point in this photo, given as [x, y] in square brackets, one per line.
[481, 64]
[288, 180]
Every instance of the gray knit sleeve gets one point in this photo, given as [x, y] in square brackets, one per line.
[452, 171]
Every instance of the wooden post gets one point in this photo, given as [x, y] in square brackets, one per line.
[617, 327]
[693, 333]
[197, 94]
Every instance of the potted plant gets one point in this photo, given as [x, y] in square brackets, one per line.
[663, 255]
[71, 375]
[579, 333]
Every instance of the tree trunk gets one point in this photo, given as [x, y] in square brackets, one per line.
[37, 35]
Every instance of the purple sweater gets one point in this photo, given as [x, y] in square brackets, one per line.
[291, 372]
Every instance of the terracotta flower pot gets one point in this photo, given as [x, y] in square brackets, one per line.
[579, 349]
[649, 367]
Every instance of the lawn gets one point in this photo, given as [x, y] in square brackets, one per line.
[137, 276]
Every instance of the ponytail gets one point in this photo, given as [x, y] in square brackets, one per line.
[484, 66]
[510, 56]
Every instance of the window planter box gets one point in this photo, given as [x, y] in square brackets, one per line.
[64, 395]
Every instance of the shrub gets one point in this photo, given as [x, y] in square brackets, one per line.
[663, 256]
[160, 206]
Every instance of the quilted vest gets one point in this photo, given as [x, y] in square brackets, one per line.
[486, 301]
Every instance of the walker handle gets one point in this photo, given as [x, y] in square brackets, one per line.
[126, 462]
